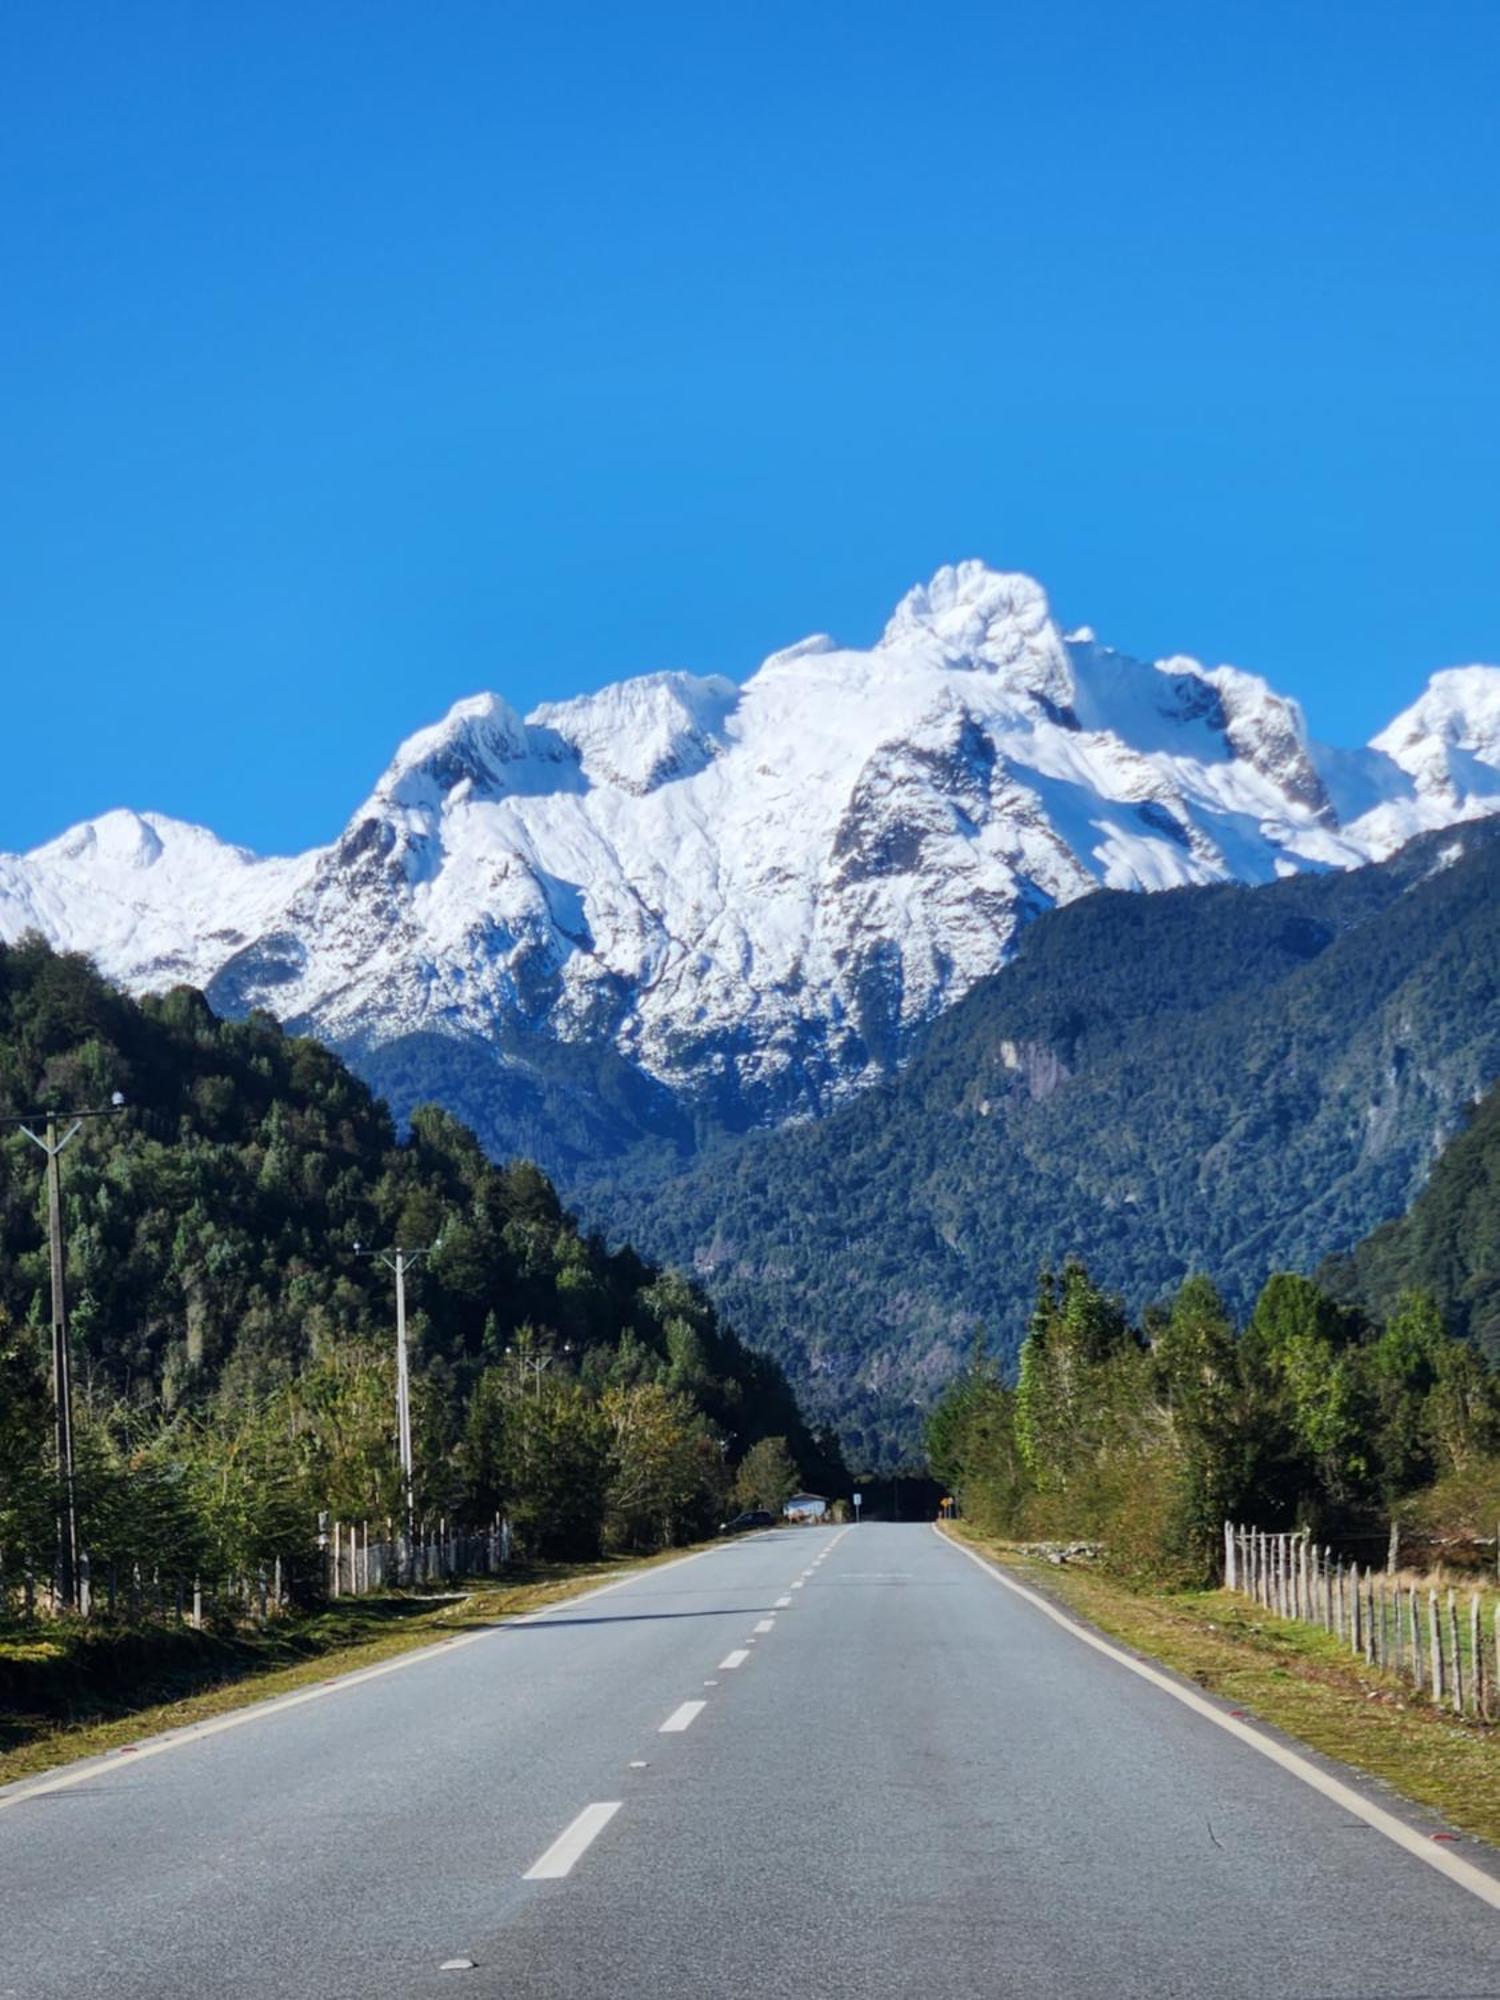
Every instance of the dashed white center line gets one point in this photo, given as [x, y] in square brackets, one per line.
[569, 1845]
[765, 1625]
[782, 1603]
[680, 1718]
[735, 1659]
[799, 1583]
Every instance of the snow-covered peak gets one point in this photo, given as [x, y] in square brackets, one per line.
[1269, 731]
[155, 900]
[1448, 741]
[761, 892]
[968, 615]
[118, 839]
[643, 732]
[482, 747]
[126, 841]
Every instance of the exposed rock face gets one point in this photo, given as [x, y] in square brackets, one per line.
[757, 895]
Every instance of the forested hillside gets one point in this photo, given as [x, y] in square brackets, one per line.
[1226, 1079]
[1150, 1436]
[232, 1342]
[1447, 1244]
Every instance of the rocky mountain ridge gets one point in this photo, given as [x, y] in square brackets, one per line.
[754, 898]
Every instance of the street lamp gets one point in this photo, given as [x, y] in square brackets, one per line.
[400, 1261]
[62, 1388]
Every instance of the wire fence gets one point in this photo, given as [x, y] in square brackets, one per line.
[351, 1559]
[1442, 1640]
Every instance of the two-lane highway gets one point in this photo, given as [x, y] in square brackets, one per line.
[815, 1762]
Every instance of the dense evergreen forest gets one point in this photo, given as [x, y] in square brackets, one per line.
[233, 1352]
[1447, 1244]
[1226, 1079]
[1149, 1436]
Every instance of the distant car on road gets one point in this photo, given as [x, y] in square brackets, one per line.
[756, 1518]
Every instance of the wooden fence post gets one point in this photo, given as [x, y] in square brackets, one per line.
[1369, 1617]
[1458, 1663]
[1435, 1634]
[1476, 1655]
[1395, 1649]
[1414, 1635]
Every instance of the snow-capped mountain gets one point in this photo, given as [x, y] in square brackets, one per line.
[759, 893]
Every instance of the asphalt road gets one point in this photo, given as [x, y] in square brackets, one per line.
[902, 1779]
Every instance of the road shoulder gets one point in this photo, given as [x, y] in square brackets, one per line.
[1357, 1725]
[456, 1620]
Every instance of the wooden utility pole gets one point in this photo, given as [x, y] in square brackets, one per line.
[400, 1261]
[62, 1384]
[62, 1381]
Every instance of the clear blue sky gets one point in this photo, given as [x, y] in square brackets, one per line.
[357, 357]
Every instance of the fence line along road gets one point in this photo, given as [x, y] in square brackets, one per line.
[351, 1562]
[357, 1564]
[1420, 1631]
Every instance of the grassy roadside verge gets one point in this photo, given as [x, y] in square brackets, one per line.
[1292, 1676]
[83, 1693]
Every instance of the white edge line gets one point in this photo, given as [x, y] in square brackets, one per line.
[194, 1732]
[682, 1716]
[1435, 1855]
[573, 1842]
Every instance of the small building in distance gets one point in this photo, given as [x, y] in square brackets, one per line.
[806, 1507]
